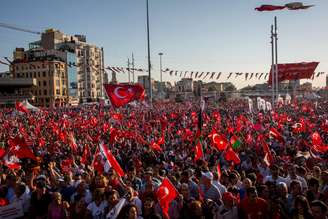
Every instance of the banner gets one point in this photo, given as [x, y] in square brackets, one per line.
[295, 71]
[11, 211]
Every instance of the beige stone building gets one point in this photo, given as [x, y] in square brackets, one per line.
[50, 78]
[67, 69]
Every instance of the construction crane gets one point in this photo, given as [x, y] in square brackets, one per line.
[8, 26]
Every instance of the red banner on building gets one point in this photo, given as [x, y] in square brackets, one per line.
[295, 71]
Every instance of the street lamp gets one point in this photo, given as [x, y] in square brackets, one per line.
[149, 67]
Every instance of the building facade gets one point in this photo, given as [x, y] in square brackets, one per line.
[144, 81]
[84, 63]
[51, 81]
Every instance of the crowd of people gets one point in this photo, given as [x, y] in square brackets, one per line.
[51, 165]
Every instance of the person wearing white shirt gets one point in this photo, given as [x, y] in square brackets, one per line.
[274, 177]
[22, 196]
[217, 183]
[293, 176]
[98, 206]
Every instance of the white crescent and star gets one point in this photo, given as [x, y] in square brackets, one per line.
[116, 90]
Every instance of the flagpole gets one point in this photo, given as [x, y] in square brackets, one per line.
[276, 53]
[149, 71]
[272, 66]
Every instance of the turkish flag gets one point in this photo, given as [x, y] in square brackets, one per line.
[86, 154]
[230, 155]
[121, 94]
[2, 153]
[198, 151]
[316, 139]
[294, 71]
[111, 159]
[155, 146]
[23, 152]
[20, 107]
[268, 159]
[165, 194]
[275, 134]
[219, 141]
[270, 7]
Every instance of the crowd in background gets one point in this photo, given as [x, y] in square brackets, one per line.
[62, 177]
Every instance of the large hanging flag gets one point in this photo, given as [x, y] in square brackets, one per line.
[165, 194]
[121, 94]
[295, 71]
[270, 8]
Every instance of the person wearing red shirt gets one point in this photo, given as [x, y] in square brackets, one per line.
[253, 207]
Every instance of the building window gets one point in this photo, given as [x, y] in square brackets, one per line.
[38, 66]
[45, 92]
[40, 92]
[17, 68]
[44, 83]
[30, 74]
[39, 74]
[57, 91]
[34, 74]
[43, 66]
[50, 73]
[57, 83]
[47, 100]
[39, 83]
[44, 74]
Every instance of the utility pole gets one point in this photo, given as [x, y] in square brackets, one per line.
[272, 67]
[276, 54]
[132, 68]
[149, 67]
[129, 69]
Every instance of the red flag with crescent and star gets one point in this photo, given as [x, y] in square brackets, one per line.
[122, 94]
[166, 193]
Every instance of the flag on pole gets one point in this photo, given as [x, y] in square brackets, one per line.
[20, 107]
[122, 94]
[111, 159]
[165, 194]
[276, 135]
[270, 8]
[198, 151]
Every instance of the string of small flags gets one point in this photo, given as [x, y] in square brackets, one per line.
[201, 75]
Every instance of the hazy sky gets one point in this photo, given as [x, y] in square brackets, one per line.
[194, 35]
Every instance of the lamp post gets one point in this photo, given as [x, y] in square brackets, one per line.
[149, 71]
[160, 70]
